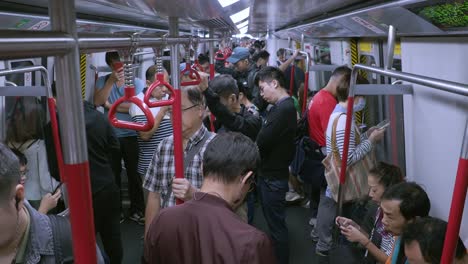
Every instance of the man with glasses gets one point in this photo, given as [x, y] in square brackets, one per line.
[276, 144]
[206, 227]
[163, 188]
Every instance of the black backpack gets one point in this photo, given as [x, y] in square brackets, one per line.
[307, 162]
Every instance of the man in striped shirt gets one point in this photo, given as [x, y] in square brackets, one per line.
[148, 141]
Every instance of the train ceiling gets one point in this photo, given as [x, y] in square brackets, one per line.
[285, 19]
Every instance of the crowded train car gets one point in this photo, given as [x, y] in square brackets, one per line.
[233, 131]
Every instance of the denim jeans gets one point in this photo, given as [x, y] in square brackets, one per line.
[272, 196]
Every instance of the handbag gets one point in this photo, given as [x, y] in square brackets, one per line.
[355, 186]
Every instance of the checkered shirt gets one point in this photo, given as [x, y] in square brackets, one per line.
[161, 170]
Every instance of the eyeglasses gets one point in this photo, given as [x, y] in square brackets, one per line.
[23, 173]
[190, 107]
[252, 182]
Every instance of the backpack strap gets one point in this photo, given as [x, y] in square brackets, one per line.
[61, 231]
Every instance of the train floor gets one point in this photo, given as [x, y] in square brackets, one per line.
[302, 248]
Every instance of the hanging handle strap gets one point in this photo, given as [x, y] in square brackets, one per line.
[159, 82]
[193, 75]
[130, 97]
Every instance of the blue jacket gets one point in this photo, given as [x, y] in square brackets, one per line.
[40, 248]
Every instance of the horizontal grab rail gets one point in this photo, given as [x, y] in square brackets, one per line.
[448, 86]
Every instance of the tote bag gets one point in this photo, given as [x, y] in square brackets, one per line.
[355, 186]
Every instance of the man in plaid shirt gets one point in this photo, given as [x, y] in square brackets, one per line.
[161, 171]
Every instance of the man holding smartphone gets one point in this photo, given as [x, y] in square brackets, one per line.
[109, 88]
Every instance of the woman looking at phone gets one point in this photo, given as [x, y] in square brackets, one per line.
[379, 243]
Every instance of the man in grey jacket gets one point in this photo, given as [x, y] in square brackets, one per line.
[27, 236]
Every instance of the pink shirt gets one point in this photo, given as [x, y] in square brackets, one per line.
[321, 107]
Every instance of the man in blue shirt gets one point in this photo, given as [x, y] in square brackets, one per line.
[109, 88]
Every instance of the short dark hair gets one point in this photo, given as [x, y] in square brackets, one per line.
[342, 90]
[387, 174]
[25, 121]
[9, 172]
[224, 85]
[151, 72]
[341, 71]
[111, 56]
[228, 156]
[203, 58]
[268, 74]
[261, 54]
[280, 52]
[430, 232]
[194, 95]
[413, 199]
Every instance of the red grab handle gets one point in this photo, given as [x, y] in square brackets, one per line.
[197, 66]
[220, 55]
[159, 81]
[193, 75]
[130, 97]
[57, 143]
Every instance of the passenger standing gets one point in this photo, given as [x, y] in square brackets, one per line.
[207, 229]
[359, 146]
[245, 71]
[49, 201]
[24, 134]
[222, 98]
[102, 142]
[276, 144]
[148, 141]
[109, 88]
[159, 180]
[261, 58]
[319, 111]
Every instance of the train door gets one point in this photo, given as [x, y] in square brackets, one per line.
[380, 107]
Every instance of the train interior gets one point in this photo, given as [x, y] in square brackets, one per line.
[427, 126]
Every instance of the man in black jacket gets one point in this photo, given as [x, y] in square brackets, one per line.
[276, 144]
[222, 98]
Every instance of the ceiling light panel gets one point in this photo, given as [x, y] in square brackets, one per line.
[240, 15]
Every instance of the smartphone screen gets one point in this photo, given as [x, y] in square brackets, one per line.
[383, 124]
[57, 188]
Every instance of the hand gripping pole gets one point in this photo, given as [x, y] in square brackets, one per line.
[130, 94]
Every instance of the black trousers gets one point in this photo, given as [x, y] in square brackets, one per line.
[129, 152]
[106, 205]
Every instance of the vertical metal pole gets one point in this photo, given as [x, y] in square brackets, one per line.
[391, 98]
[211, 46]
[70, 107]
[177, 106]
[390, 47]
[458, 203]
[212, 74]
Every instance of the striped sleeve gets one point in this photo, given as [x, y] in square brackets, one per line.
[355, 153]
